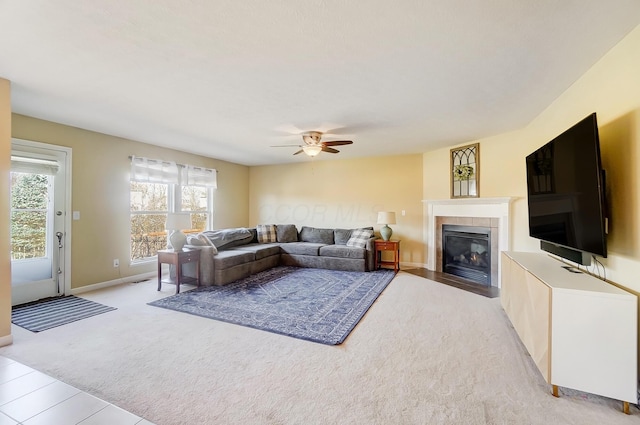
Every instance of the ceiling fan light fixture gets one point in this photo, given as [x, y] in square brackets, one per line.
[312, 137]
[312, 150]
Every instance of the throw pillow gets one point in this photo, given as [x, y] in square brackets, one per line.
[359, 238]
[266, 233]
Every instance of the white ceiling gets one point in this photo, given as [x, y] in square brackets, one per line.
[229, 78]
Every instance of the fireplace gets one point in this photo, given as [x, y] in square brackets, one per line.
[466, 252]
[492, 213]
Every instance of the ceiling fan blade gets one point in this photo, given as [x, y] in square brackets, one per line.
[300, 151]
[338, 143]
[329, 150]
[285, 146]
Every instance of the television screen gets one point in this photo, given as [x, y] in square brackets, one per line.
[565, 190]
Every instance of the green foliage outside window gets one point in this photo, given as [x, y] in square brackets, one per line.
[29, 201]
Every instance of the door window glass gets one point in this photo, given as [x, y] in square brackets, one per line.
[30, 212]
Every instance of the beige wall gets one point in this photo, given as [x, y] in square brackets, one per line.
[5, 256]
[611, 88]
[343, 193]
[100, 192]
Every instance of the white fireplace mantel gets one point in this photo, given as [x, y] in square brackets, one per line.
[466, 207]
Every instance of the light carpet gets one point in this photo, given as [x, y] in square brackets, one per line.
[425, 353]
[312, 304]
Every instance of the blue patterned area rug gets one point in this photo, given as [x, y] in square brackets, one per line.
[312, 304]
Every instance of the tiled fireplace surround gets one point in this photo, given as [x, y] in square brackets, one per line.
[484, 212]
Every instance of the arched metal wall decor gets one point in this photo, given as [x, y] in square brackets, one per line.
[465, 171]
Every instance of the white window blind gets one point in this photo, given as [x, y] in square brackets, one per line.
[20, 164]
[198, 176]
[154, 170]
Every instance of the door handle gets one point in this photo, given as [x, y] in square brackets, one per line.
[59, 236]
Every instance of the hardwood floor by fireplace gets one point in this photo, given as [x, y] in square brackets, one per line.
[457, 282]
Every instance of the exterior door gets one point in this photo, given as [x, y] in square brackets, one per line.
[38, 221]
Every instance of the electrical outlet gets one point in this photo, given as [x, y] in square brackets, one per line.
[116, 263]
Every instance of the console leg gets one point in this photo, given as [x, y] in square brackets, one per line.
[625, 407]
[554, 390]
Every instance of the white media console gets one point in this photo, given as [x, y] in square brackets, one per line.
[581, 332]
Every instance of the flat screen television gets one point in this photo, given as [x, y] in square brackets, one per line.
[566, 192]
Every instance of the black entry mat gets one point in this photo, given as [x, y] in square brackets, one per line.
[53, 312]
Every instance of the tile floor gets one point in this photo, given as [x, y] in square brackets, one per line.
[29, 397]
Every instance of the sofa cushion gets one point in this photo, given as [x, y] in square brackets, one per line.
[226, 238]
[359, 238]
[301, 248]
[232, 257]
[343, 251]
[315, 235]
[261, 250]
[287, 233]
[266, 233]
[341, 236]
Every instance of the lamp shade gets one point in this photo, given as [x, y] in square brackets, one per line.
[178, 221]
[312, 150]
[386, 217]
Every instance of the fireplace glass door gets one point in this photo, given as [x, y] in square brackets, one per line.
[467, 252]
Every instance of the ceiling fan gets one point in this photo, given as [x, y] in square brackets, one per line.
[313, 145]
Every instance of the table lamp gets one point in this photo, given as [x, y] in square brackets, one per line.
[386, 218]
[176, 222]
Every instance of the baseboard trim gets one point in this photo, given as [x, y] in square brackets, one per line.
[6, 340]
[412, 265]
[101, 285]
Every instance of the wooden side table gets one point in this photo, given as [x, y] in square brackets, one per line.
[178, 258]
[391, 245]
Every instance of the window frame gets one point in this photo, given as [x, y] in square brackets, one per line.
[174, 205]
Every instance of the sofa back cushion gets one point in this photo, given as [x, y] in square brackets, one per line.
[315, 235]
[341, 236]
[287, 233]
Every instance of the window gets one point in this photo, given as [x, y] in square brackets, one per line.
[32, 205]
[158, 188]
[30, 211]
[149, 208]
[196, 199]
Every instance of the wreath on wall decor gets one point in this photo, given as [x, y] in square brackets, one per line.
[463, 172]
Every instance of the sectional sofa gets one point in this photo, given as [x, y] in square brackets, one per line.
[230, 254]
